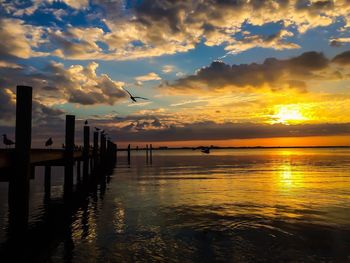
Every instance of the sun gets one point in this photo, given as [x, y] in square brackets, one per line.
[288, 114]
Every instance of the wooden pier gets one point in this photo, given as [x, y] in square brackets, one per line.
[18, 165]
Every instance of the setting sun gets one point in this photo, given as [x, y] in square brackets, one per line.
[288, 114]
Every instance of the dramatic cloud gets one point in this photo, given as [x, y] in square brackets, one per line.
[338, 42]
[7, 104]
[19, 40]
[275, 41]
[343, 58]
[56, 84]
[149, 28]
[42, 42]
[273, 73]
[148, 77]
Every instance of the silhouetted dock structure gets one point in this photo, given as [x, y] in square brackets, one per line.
[17, 166]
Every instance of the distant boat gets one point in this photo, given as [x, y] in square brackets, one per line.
[205, 150]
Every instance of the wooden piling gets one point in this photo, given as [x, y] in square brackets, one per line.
[95, 149]
[146, 153]
[129, 154]
[114, 153]
[86, 152]
[86, 141]
[32, 172]
[19, 182]
[150, 154]
[103, 148]
[69, 153]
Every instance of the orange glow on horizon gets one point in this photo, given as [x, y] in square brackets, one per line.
[264, 142]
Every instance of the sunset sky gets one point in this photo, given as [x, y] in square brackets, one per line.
[221, 72]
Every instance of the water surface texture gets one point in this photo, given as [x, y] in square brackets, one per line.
[254, 205]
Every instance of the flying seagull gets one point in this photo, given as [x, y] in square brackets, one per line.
[49, 142]
[133, 98]
[7, 141]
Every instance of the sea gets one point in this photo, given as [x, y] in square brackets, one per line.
[232, 205]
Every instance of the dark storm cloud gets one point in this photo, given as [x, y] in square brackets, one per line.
[343, 58]
[273, 72]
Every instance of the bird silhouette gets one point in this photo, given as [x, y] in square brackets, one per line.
[97, 129]
[7, 141]
[49, 142]
[133, 98]
[86, 122]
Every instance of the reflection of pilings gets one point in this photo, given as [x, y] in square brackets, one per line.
[108, 149]
[147, 153]
[129, 154]
[103, 148]
[150, 153]
[95, 149]
[78, 170]
[47, 182]
[86, 152]
[69, 153]
[19, 182]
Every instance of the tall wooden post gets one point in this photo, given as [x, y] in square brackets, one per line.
[95, 150]
[19, 182]
[146, 153]
[69, 154]
[86, 152]
[129, 154]
[103, 148]
[108, 150]
[150, 153]
[116, 153]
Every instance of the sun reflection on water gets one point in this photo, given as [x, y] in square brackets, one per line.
[286, 175]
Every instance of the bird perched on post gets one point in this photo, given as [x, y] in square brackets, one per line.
[86, 122]
[49, 142]
[97, 129]
[7, 141]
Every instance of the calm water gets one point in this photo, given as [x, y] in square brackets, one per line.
[264, 205]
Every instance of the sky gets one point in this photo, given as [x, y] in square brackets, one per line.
[216, 72]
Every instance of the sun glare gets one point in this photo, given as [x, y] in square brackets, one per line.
[288, 114]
